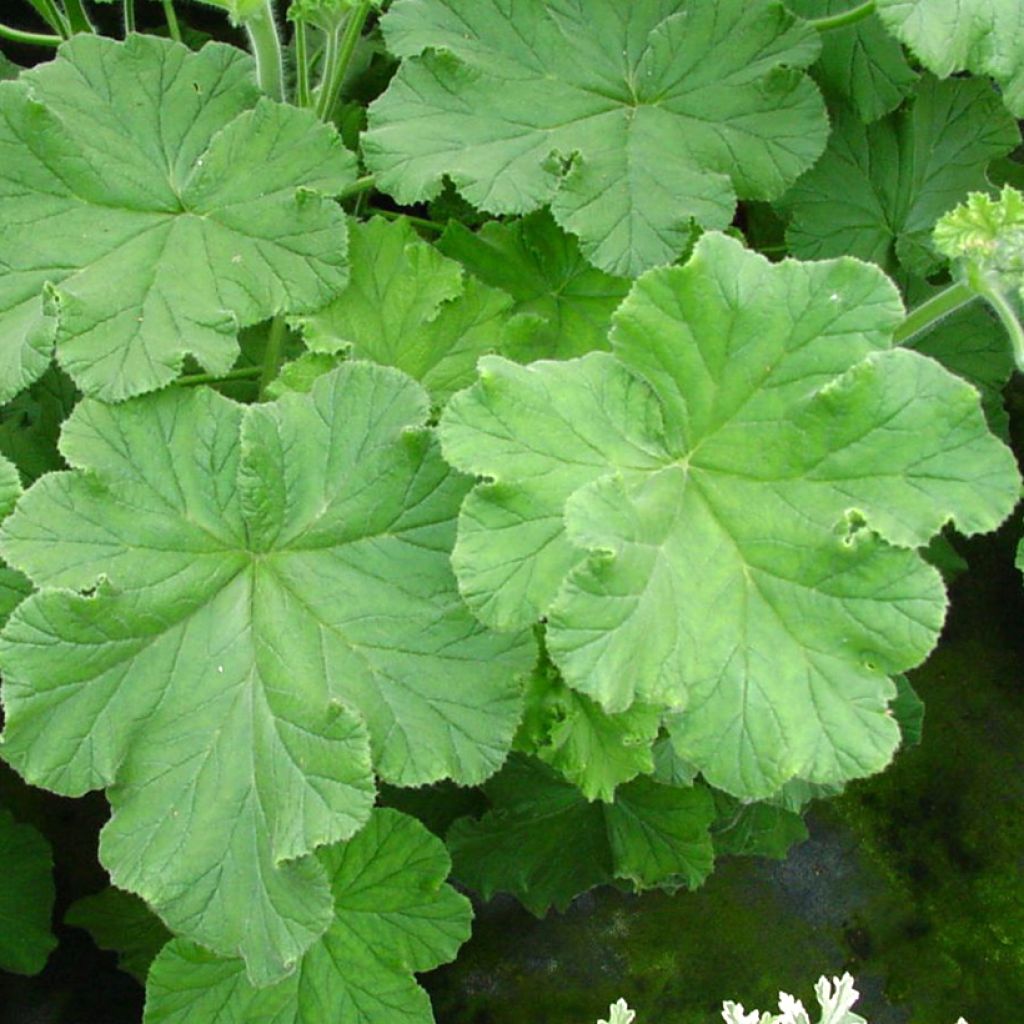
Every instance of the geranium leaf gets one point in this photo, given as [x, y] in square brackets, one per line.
[879, 189]
[755, 830]
[195, 207]
[290, 563]
[542, 268]
[26, 897]
[545, 843]
[722, 517]
[860, 64]
[983, 36]
[393, 916]
[407, 305]
[669, 110]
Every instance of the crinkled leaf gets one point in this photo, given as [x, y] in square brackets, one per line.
[755, 830]
[289, 562]
[879, 189]
[121, 922]
[572, 733]
[731, 534]
[393, 916]
[983, 36]
[668, 111]
[542, 268]
[861, 65]
[407, 305]
[545, 843]
[26, 897]
[161, 206]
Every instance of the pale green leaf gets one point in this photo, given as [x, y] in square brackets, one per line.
[393, 916]
[861, 65]
[26, 897]
[542, 268]
[572, 733]
[289, 562]
[668, 111]
[721, 517]
[121, 922]
[545, 843]
[983, 36]
[161, 206]
[407, 305]
[879, 189]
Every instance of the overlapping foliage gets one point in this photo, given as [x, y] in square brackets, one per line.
[575, 498]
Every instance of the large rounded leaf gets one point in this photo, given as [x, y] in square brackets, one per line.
[265, 586]
[152, 205]
[393, 915]
[722, 516]
[628, 118]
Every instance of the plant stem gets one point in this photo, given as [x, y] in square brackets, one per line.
[16, 35]
[53, 17]
[358, 187]
[265, 44]
[997, 300]
[129, 17]
[173, 28]
[303, 93]
[419, 222]
[242, 373]
[77, 18]
[272, 356]
[850, 17]
[339, 53]
[930, 312]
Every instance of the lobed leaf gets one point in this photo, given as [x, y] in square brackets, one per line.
[670, 110]
[721, 517]
[135, 229]
[239, 605]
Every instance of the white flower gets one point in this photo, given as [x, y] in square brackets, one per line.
[619, 1013]
[733, 1013]
[793, 1011]
[836, 1005]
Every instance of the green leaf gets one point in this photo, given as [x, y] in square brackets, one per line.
[26, 897]
[542, 268]
[879, 189]
[860, 65]
[30, 424]
[121, 922]
[755, 830]
[545, 843]
[983, 36]
[14, 588]
[721, 517]
[239, 11]
[408, 306]
[908, 710]
[195, 208]
[669, 110]
[393, 915]
[592, 749]
[8, 69]
[289, 562]
[326, 14]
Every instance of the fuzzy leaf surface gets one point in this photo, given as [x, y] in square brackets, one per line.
[982, 36]
[267, 600]
[26, 897]
[136, 226]
[393, 916]
[671, 110]
[545, 843]
[542, 268]
[720, 517]
[879, 189]
[407, 305]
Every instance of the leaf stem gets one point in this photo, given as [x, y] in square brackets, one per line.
[303, 93]
[272, 356]
[53, 16]
[17, 35]
[265, 44]
[129, 17]
[419, 222]
[845, 18]
[930, 312]
[77, 18]
[173, 28]
[998, 301]
[242, 373]
[358, 187]
[339, 54]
